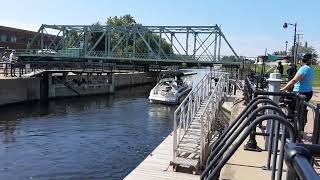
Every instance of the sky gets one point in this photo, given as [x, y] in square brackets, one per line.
[251, 26]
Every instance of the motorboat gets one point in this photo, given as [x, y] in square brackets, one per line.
[170, 89]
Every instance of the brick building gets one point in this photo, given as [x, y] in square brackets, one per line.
[13, 38]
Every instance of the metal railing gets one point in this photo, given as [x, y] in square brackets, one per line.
[79, 53]
[209, 92]
[184, 113]
[316, 120]
[210, 115]
[240, 128]
[290, 114]
[298, 159]
[20, 68]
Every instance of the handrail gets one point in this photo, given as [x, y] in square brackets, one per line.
[208, 94]
[316, 122]
[186, 110]
[214, 99]
[78, 53]
[298, 161]
[214, 172]
[235, 124]
[233, 135]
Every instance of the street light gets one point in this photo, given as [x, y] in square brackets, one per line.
[286, 47]
[295, 48]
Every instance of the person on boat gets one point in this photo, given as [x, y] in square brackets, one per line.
[179, 81]
[302, 81]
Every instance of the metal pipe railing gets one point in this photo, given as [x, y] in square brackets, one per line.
[186, 110]
[236, 123]
[219, 153]
[211, 107]
[216, 169]
[298, 157]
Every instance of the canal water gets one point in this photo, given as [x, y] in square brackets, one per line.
[94, 137]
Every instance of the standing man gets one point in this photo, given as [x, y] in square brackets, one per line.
[12, 60]
[6, 65]
[280, 68]
[291, 71]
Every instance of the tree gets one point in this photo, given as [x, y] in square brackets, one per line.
[229, 59]
[140, 46]
[94, 35]
[306, 50]
[72, 39]
[126, 20]
[281, 53]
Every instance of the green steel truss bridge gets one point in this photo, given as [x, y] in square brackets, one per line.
[163, 45]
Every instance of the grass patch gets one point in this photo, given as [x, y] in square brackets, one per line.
[316, 81]
[316, 68]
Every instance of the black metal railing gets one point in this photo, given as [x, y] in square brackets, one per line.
[298, 159]
[22, 67]
[292, 112]
[242, 127]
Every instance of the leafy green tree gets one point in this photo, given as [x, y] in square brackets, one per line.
[281, 53]
[306, 50]
[95, 31]
[229, 59]
[94, 35]
[141, 47]
[126, 20]
[72, 40]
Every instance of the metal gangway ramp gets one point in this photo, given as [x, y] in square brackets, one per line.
[195, 120]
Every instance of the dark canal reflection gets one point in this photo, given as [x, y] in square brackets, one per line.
[95, 137]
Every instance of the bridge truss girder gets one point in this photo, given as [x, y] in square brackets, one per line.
[196, 43]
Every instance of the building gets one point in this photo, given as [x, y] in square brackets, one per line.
[13, 38]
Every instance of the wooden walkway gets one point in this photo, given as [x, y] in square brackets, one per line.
[157, 165]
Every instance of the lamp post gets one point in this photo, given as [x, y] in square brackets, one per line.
[294, 52]
[286, 47]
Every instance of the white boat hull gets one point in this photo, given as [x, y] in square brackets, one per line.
[167, 98]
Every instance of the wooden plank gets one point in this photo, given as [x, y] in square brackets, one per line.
[157, 165]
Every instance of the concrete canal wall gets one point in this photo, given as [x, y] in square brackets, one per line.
[28, 89]
[18, 90]
[132, 79]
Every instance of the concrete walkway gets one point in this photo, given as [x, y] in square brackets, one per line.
[246, 165]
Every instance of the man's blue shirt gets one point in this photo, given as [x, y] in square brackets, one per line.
[304, 85]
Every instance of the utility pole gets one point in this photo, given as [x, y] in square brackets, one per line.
[298, 44]
[285, 25]
[286, 47]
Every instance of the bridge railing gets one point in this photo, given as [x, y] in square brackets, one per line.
[79, 53]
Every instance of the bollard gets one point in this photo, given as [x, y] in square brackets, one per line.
[274, 86]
